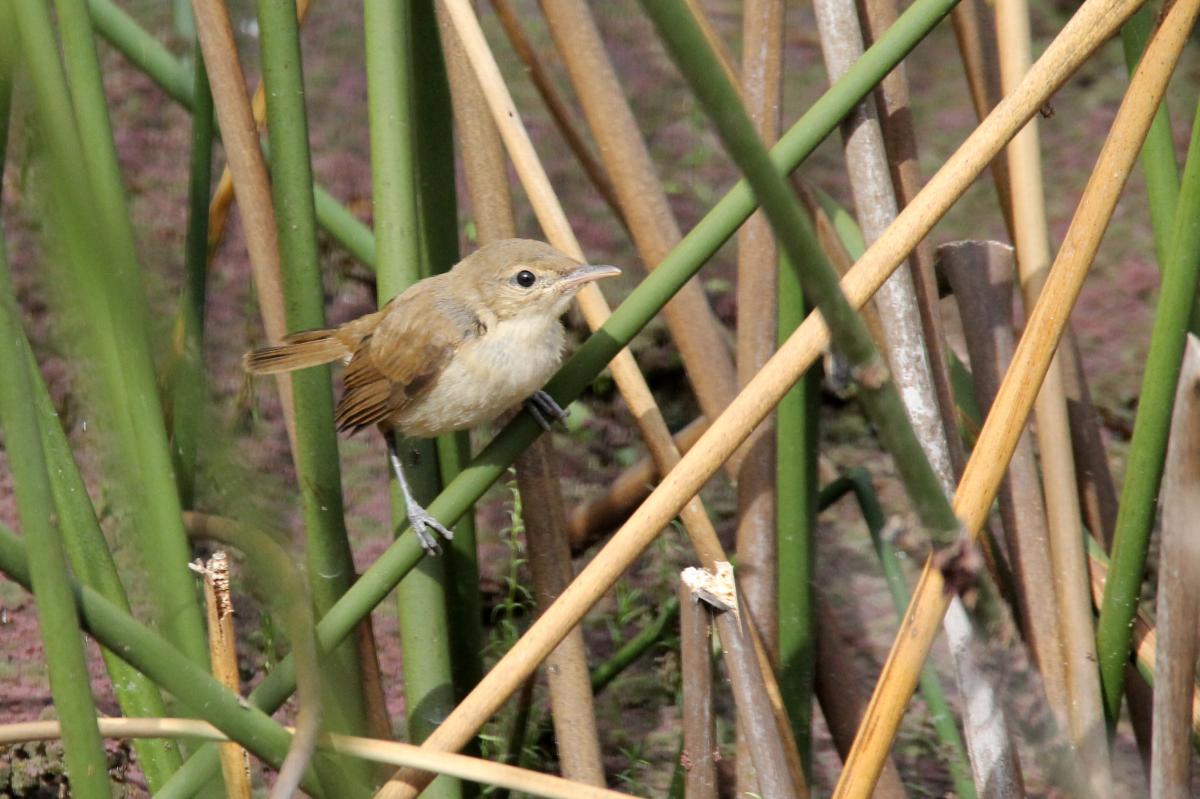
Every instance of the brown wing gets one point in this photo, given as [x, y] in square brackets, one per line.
[399, 361]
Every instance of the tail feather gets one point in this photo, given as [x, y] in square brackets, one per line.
[298, 351]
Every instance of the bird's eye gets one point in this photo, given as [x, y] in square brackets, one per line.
[525, 278]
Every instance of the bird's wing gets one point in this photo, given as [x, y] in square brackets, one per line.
[399, 361]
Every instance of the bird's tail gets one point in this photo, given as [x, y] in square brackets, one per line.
[298, 351]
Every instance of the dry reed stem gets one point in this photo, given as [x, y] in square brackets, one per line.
[571, 704]
[240, 137]
[560, 112]
[981, 276]
[700, 750]
[1178, 608]
[900, 142]
[222, 650]
[994, 764]
[393, 753]
[694, 327]
[1092, 24]
[757, 295]
[1097, 493]
[218, 208]
[1084, 714]
[841, 688]
[1003, 426]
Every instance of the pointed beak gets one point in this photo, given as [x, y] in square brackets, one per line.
[587, 273]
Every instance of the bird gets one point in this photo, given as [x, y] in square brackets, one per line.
[451, 352]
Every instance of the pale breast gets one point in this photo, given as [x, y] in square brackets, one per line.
[487, 376]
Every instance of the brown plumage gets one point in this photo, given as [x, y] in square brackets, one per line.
[452, 351]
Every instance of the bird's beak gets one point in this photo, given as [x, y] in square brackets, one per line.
[587, 273]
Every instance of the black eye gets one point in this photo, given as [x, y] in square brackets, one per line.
[525, 278]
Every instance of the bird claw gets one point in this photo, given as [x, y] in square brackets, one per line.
[545, 411]
[422, 521]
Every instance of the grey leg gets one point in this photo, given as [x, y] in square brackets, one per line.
[544, 410]
[418, 517]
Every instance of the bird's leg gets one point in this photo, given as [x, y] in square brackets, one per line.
[418, 517]
[544, 410]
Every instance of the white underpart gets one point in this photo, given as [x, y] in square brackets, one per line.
[488, 376]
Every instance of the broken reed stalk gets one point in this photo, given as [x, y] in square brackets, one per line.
[700, 751]
[994, 763]
[628, 377]
[280, 581]
[1082, 712]
[755, 717]
[222, 199]
[693, 325]
[240, 138]
[1091, 25]
[981, 277]
[1148, 447]
[560, 112]
[222, 649]
[1178, 608]
[1030, 361]
[390, 752]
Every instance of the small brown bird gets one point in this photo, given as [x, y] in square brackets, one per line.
[449, 353]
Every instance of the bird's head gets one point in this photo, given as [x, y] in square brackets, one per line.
[519, 277]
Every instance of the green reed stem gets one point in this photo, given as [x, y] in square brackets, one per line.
[1148, 448]
[62, 640]
[1158, 151]
[796, 419]
[187, 378]
[329, 559]
[105, 297]
[407, 241]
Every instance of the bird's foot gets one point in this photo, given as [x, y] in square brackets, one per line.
[425, 527]
[545, 411]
